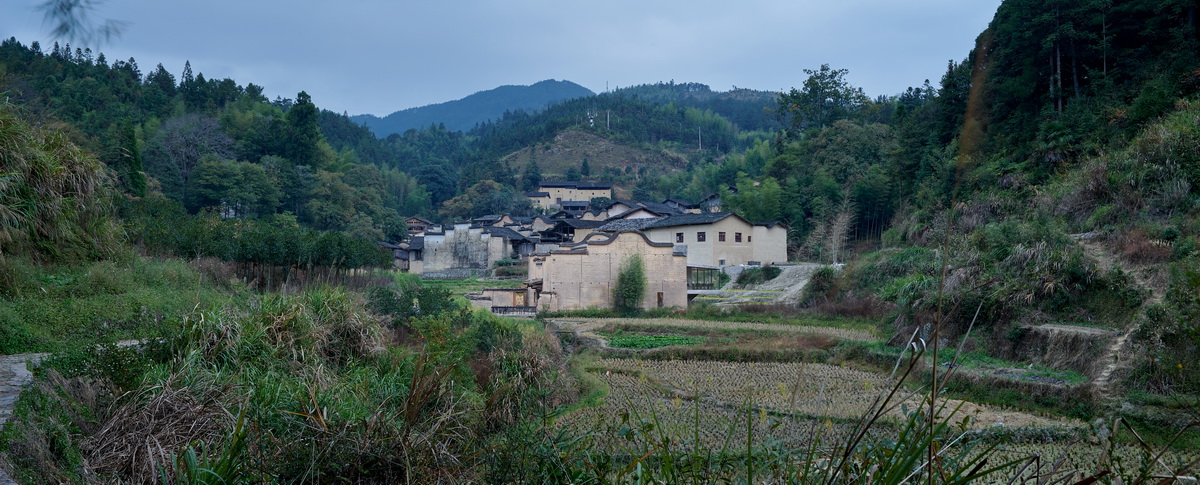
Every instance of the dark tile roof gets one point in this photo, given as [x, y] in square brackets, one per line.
[537, 194]
[581, 223]
[568, 184]
[635, 209]
[505, 233]
[416, 244]
[389, 245]
[627, 224]
[663, 209]
[421, 220]
[574, 203]
[681, 202]
[690, 219]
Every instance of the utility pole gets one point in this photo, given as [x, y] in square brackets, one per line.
[699, 140]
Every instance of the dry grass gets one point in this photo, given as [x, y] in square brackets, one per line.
[143, 433]
[869, 306]
[1137, 247]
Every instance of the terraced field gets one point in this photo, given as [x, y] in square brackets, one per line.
[588, 325]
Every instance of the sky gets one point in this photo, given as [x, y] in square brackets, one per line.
[381, 56]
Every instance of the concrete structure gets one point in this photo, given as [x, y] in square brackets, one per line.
[552, 194]
[713, 239]
[458, 253]
[583, 275]
[506, 301]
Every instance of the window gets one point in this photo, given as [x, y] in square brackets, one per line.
[722, 262]
[749, 238]
[721, 236]
[737, 237]
[679, 237]
[700, 236]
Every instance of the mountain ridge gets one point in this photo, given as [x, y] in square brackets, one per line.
[482, 106]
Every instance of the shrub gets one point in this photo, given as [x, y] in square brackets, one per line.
[758, 275]
[630, 288]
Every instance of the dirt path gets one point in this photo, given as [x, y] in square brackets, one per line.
[1106, 260]
[15, 374]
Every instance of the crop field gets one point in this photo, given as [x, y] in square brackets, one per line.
[720, 404]
[840, 333]
[1057, 459]
[636, 402]
[622, 340]
[807, 389]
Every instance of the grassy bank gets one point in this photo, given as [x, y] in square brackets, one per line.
[55, 307]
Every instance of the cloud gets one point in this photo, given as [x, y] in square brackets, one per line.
[377, 56]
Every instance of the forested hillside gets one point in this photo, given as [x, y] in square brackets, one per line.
[465, 113]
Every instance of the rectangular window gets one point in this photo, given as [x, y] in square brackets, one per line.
[721, 236]
[737, 237]
[749, 238]
[700, 236]
[679, 237]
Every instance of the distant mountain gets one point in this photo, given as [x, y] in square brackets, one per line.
[464, 114]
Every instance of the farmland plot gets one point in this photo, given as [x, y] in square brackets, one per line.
[638, 405]
[589, 324]
[808, 389]
[721, 404]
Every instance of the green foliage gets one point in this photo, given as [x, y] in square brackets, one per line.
[630, 287]
[622, 340]
[405, 301]
[758, 275]
[483, 198]
[54, 196]
[56, 307]
[161, 226]
[826, 97]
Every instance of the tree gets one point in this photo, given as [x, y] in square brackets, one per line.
[824, 98]
[532, 176]
[176, 149]
[586, 169]
[572, 173]
[237, 189]
[304, 132]
[630, 287]
[485, 197]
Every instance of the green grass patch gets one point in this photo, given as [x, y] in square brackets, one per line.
[49, 308]
[758, 276]
[622, 340]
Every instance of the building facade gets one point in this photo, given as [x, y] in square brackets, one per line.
[721, 239]
[583, 275]
[552, 194]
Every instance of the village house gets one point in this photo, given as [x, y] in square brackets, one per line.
[583, 275]
[552, 194]
[418, 225]
[713, 239]
[464, 251]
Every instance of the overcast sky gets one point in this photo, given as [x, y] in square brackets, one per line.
[380, 56]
